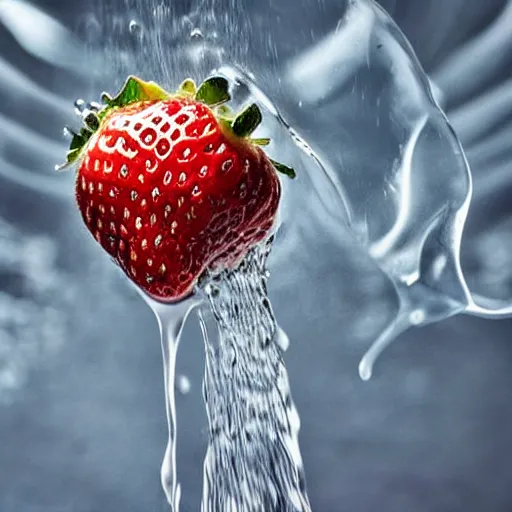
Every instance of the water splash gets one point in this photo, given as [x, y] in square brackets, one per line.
[388, 207]
[253, 460]
[367, 134]
[391, 208]
[171, 319]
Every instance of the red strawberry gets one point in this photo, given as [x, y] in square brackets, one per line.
[171, 185]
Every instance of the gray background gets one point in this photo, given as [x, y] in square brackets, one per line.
[82, 418]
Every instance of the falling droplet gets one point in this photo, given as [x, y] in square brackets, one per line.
[68, 134]
[183, 384]
[282, 340]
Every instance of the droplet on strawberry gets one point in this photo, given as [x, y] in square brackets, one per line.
[172, 184]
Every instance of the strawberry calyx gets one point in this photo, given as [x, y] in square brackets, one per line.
[213, 92]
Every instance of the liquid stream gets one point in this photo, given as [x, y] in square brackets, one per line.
[171, 319]
[253, 461]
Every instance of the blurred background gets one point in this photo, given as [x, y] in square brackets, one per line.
[82, 417]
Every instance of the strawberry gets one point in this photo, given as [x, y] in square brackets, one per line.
[172, 185]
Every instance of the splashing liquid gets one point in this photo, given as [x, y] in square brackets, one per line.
[371, 175]
[253, 462]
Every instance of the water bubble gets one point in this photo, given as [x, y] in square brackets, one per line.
[135, 28]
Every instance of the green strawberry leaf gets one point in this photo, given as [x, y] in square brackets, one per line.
[106, 98]
[247, 121]
[79, 139]
[133, 90]
[72, 155]
[284, 169]
[76, 142]
[213, 91]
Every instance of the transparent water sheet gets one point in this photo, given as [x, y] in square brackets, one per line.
[381, 155]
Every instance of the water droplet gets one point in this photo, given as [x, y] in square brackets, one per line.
[68, 134]
[183, 384]
[80, 105]
[365, 370]
[134, 27]
[196, 33]
[417, 317]
[282, 339]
